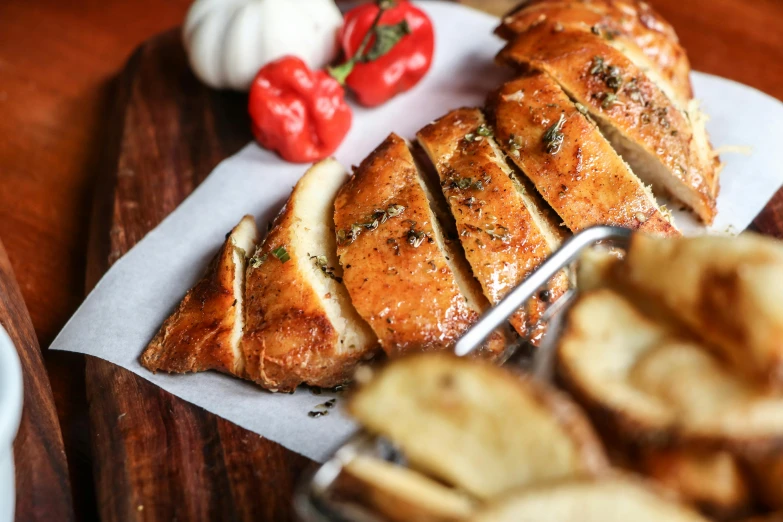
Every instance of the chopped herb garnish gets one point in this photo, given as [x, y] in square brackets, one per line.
[470, 136]
[323, 263]
[497, 232]
[257, 261]
[379, 216]
[597, 66]
[607, 99]
[416, 237]
[466, 183]
[281, 254]
[553, 137]
[317, 413]
[483, 130]
[514, 142]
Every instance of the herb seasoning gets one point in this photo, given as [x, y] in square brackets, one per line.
[323, 263]
[281, 254]
[553, 137]
[484, 130]
[257, 261]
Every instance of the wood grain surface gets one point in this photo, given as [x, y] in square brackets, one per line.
[41, 468]
[58, 62]
[157, 457]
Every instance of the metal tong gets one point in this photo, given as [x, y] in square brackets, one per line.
[312, 501]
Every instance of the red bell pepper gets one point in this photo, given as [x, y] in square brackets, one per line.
[299, 113]
[389, 46]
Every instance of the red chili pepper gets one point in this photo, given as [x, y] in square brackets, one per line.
[389, 45]
[299, 113]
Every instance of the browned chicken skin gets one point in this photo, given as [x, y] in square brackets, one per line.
[401, 279]
[203, 333]
[651, 132]
[628, 23]
[584, 180]
[506, 230]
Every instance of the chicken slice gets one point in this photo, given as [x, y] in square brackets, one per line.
[632, 27]
[568, 160]
[204, 332]
[404, 277]
[645, 127]
[301, 325]
[505, 229]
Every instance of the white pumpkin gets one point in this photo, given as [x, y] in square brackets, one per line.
[228, 41]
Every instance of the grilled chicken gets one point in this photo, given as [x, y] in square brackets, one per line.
[645, 127]
[505, 229]
[631, 27]
[618, 499]
[646, 380]
[568, 160]
[204, 332]
[301, 326]
[477, 427]
[404, 277]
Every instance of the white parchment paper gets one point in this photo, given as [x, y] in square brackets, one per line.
[126, 308]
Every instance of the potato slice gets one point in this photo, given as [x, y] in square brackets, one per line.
[713, 481]
[617, 499]
[301, 325]
[643, 379]
[205, 331]
[726, 289]
[476, 426]
[401, 494]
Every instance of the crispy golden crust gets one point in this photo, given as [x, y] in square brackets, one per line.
[712, 481]
[506, 232]
[290, 337]
[586, 182]
[625, 23]
[396, 272]
[638, 111]
[478, 427]
[197, 336]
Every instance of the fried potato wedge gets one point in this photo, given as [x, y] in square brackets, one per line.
[726, 289]
[475, 426]
[204, 332]
[613, 500]
[401, 494]
[571, 164]
[504, 227]
[300, 325]
[404, 277]
[644, 126]
[652, 385]
[713, 481]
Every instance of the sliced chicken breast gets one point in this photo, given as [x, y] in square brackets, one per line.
[632, 27]
[640, 121]
[571, 164]
[204, 332]
[505, 229]
[301, 325]
[402, 274]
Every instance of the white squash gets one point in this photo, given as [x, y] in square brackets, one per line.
[228, 41]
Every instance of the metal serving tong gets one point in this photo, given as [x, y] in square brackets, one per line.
[312, 502]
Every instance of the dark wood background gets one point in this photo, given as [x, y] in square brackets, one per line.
[59, 63]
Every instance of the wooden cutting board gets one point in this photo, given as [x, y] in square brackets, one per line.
[158, 458]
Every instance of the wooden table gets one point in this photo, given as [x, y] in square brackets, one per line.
[57, 63]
